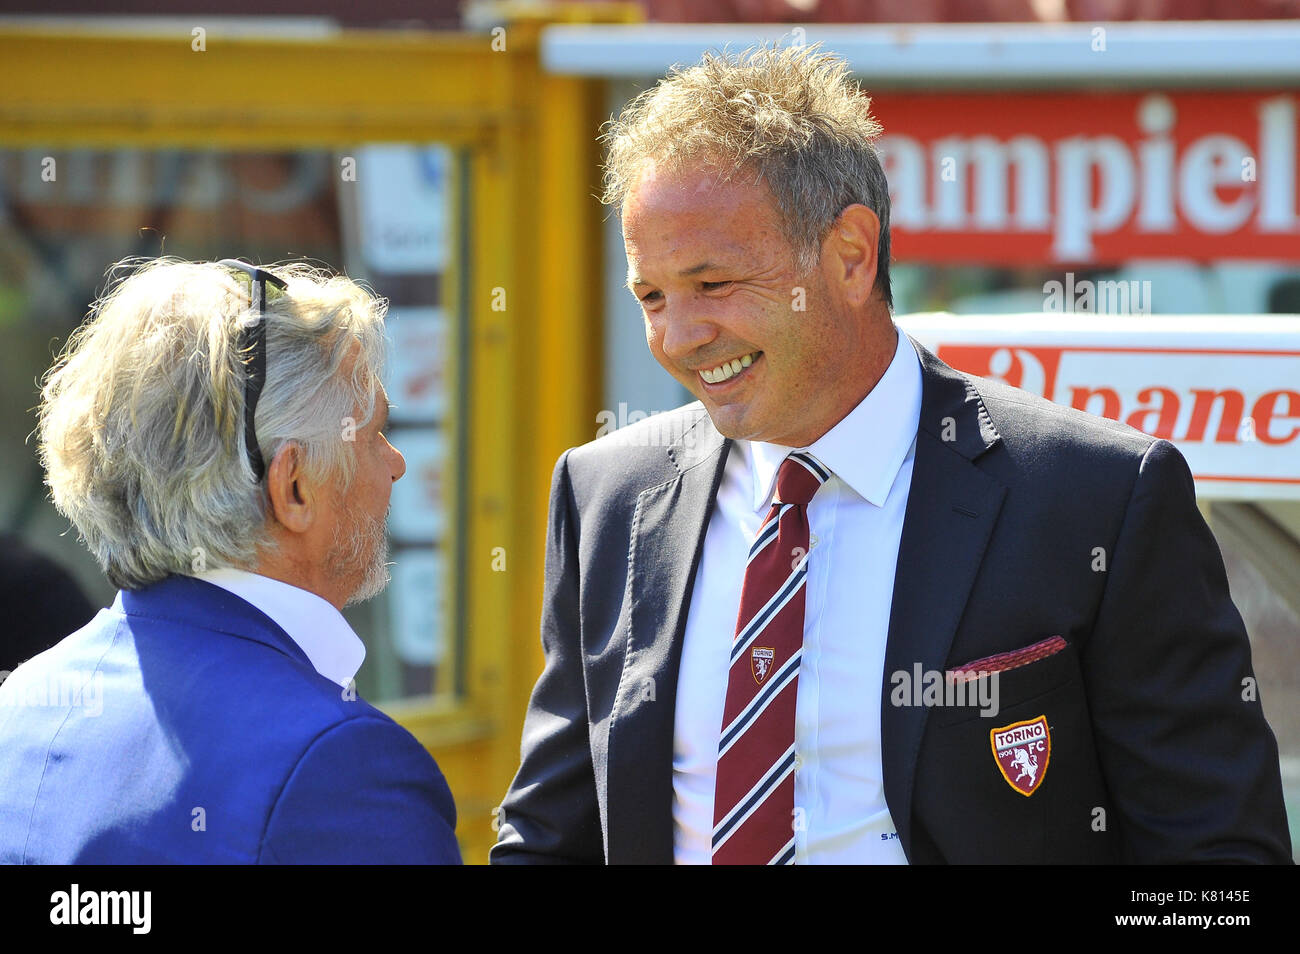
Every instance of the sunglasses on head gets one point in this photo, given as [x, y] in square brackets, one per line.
[252, 342]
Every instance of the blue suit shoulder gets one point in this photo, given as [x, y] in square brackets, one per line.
[212, 739]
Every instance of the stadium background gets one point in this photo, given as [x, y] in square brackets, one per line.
[448, 157]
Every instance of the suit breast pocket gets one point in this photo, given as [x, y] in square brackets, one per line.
[1014, 777]
[983, 688]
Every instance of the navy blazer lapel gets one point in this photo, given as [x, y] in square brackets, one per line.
[951, 509]
[668, 530]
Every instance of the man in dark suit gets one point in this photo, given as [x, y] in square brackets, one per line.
[215, 433]
[852, 605]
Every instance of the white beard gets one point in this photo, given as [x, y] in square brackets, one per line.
[360, 552]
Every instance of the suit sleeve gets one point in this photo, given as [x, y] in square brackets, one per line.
[550, 814]
[1191, 765]
[364, 792]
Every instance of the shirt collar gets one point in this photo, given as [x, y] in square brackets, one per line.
[867, 447]
[319, 629]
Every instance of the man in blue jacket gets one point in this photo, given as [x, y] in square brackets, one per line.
[215, 433]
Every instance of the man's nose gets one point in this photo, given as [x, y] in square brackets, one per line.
[684, 329]
[399, 465]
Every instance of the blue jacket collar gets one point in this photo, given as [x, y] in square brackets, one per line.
[191, 602]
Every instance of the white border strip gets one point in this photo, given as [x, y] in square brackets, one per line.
[1170, 53]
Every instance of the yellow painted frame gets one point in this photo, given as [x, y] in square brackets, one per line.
[533, 370]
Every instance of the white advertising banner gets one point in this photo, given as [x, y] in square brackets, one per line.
[417, 365]
[418, 606]
[403, 206]
[1224, 388]
[418, 508]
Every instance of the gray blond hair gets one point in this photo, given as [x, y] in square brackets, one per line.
[141, 429]
[793, 116]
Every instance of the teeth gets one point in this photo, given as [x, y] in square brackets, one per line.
[728, 369]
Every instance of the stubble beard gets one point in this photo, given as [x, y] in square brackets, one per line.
[360, 553]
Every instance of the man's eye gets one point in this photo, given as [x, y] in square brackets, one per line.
[650, 296]
[714, 286]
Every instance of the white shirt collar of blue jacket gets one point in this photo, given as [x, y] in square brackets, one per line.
[311, 621]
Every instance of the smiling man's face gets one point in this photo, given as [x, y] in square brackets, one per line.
[773, 354]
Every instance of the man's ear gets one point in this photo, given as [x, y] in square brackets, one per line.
[851, 249]
[293, 498]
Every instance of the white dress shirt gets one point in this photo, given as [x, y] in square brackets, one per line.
[319, 629]
[856, 521]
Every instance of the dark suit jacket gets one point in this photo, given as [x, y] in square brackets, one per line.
[184, 725]
[1011, 496]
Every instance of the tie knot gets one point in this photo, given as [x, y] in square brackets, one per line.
[798, 479]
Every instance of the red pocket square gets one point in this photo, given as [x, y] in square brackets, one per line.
[1004, 661]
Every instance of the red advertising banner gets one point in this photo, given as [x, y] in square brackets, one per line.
[1226, 392]
[1091, 178]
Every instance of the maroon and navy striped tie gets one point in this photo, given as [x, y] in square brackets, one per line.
[753, 801]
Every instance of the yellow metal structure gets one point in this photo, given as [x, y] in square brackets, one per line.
[534, 270]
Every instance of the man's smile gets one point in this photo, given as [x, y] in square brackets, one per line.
[728, 372]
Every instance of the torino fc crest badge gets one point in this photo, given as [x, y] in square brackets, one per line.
[1022, 751]
[760, 662]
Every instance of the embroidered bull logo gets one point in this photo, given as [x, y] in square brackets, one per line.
[760, 662]
[1022, 751]
[1027, 764]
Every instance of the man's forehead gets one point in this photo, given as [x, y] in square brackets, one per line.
[694, 244]
[692, 185]
[694, 205]
[693, 247]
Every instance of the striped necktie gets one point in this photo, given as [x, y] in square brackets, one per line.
[753, 801]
